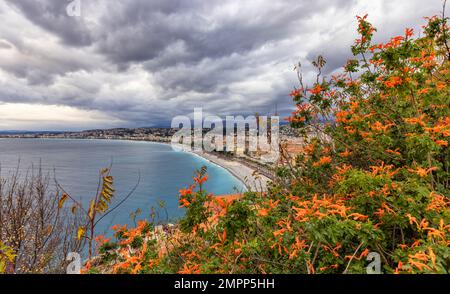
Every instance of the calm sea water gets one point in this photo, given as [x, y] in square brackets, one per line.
[77, 163]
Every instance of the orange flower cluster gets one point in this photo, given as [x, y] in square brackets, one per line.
[318, 208]
[393, 81]
[184, 194]
[296, 93]
[323, 161]
[316, 90]
[200, 180]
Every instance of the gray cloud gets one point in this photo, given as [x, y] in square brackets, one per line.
[167, 33]
[52, 16]
[144, 61]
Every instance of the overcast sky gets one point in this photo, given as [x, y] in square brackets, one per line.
[137, 63]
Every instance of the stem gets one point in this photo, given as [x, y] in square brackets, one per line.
[444, 29]
[353, 256]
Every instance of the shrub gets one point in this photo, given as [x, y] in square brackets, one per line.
[36, 234]
[373, 176]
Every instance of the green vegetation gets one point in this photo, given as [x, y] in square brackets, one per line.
[376, 179]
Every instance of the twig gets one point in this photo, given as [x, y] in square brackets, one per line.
[351, 258]
[315, 256]
[122, 201]
[444, 24]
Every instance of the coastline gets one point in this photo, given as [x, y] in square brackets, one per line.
[243, 173]
[248, 176]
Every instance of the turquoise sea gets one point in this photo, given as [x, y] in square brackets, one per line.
[76, 164]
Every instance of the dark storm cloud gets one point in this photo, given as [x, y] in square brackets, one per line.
[144, 61]
[148, 30]
[39, 65]
[51, 15]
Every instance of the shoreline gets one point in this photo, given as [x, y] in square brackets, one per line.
[249, 177]
[243, 173]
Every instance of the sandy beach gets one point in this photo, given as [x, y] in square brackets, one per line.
[253, 181]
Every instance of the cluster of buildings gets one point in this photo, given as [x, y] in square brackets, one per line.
[138, 134]
[289, 141]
